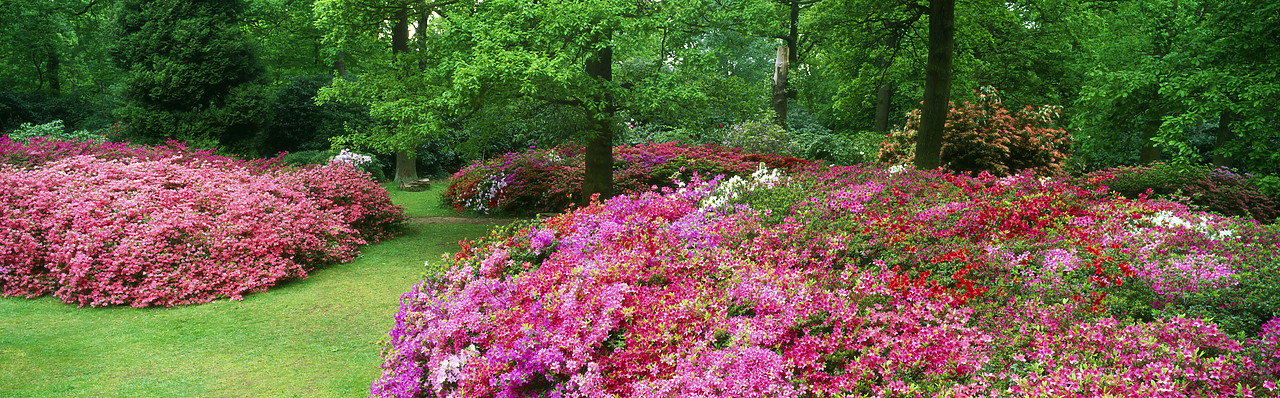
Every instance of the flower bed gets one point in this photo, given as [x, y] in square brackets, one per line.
[549, 180]
[179, 229]
[850, 281]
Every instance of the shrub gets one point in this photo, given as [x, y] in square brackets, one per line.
[840, 281]
[38, 151]
[984, 136]
[762, 136]
[548, 180]
[55, 131]
[1222, 191]
[174, 231]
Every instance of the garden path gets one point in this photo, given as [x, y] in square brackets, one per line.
[462, 220]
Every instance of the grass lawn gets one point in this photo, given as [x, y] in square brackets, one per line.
[424, 203]
[315, 337]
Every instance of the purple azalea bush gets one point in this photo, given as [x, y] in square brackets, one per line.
[549, 180]
[850, 282]
[159, 230]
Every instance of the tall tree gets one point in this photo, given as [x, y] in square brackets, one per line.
[586, 59]
[937, 86]
[191, 75]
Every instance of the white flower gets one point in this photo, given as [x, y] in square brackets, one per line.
[898, 168]
[351, 158]
[733, 187]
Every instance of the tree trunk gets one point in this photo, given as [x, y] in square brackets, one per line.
[421, 34]
[53, 66]
[937, 84]
[406, 167]
[400, 33]
[780, 86]
[340, 65]
[599, 154]
[884, 96]
[1150, 152]
[1226, 134]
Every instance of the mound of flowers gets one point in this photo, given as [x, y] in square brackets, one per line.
[1219, 190]
[179, 229]
[850, 282]
[549, 180]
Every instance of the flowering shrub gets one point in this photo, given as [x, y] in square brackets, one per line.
[842, 282]
[1220, 190]
[174, 231]
[547, 180]
[351, 158]
[55, 130]
[37, 151]
[984, 136]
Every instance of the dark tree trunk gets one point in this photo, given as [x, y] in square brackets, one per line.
[1226, 134]
[340, 65]
[53, 67]
[421, 34]
[599, 156]
[406, 167]
[937, 84]
[400, 33]
[1150, 152]
[780, 86]
[884, 96]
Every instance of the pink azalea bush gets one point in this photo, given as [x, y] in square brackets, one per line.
[177, 230]
[40, 150]
[847, 282]
[549, 180]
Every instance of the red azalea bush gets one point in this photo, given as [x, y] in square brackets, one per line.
[172, 231]
[844, 281]
[548, 180]
[984, 136]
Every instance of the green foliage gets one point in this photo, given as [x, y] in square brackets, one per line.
[191, 75]
[762, 136]
[1222, 191]
[297, 123]
[78, 112]
[56, 131]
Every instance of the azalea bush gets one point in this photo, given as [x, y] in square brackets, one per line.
[549, 180]
[177, 230]
[33, 152]
[1219, 190]
[984, 136]
[847, 281]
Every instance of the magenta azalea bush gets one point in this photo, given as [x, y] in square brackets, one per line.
[849, 282]
[177, 230]
[549, 180]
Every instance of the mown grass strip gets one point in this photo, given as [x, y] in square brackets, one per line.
[315, 337]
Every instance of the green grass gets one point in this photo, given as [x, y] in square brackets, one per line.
[315, 337]
[425, 203]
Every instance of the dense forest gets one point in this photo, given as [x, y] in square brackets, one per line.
[429, 85]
